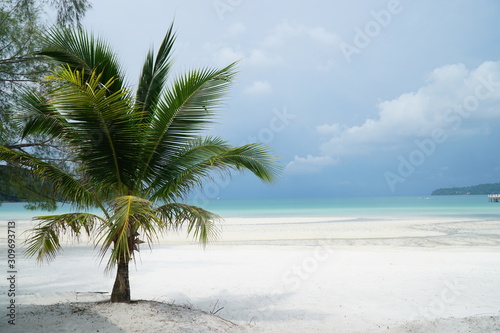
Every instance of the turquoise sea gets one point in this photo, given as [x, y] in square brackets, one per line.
[473, 206]
[470, 206]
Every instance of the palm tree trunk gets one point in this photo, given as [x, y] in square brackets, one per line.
[121, 288]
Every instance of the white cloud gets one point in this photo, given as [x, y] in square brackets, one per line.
[223, 55]
[309, 164]
[329, 129]
[278, 36]
[259, 88]
[292, 43]
[228, 55]
[285, 32]
[285, 43]
[260, 58]
[455, 100]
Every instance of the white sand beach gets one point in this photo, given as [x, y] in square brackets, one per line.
[277, 275]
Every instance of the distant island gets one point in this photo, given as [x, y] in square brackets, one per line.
[476, 189]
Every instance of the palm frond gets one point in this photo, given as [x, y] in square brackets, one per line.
[202, 157]
[39, 116]
[201, 223]
[187, 169]
[82, 51]
[184, 110]
[100, 126]
[154, 74]
[44, 240]
[254, 157]
[69, 187]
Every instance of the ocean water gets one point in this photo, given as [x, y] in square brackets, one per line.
[470, 206]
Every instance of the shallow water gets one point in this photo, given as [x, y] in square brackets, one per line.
[470, 206]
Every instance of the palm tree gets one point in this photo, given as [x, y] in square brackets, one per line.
[135, 157]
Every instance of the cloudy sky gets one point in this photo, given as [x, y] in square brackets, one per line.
[358, 98]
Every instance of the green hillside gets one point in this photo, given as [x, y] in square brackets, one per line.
[476, 189]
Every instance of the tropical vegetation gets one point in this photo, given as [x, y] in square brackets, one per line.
[22, 25]
[480, 189]
[133, 156]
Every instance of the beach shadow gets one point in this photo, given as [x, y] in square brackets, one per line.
[246, 309]
[62, 317]
[106, 317]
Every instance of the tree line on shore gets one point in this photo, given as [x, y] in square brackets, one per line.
[480, 189]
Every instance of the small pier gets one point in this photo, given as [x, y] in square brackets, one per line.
[494, 197]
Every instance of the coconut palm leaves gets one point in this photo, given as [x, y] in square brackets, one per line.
[135, 155]
[155, 73]
[44, 242]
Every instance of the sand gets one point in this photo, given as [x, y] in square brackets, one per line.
[277, 275]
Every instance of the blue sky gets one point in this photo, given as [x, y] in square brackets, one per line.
[358, 98]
